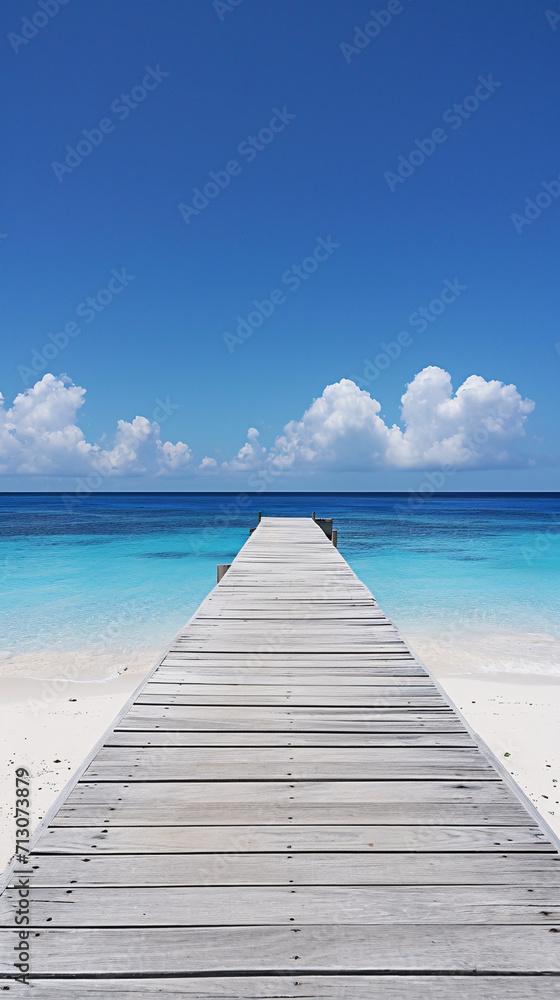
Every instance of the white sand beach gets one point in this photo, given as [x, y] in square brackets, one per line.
[50, 720]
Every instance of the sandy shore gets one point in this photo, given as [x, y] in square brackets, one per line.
[49, 721]
[507, 687]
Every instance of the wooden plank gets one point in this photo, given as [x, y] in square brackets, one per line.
[220, 839]
[283, 905]
[479, 792]
[333, 987]
[179, 673]
[149, 738]
[257, 719]
[186, 813]
[308, 659]
[318, 699]
[320, 868]
[296, 692]
[159, 950]
[252, 763]
[274, 803]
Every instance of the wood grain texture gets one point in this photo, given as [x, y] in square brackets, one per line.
[289, 868]
[458, 948]
[309, 987]
[251, 839]
[283, 905]
[212, 738]
[259, 719]
[233, 763]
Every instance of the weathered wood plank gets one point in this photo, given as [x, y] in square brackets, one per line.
[172, 673]
[293, 690]
[233, 763]
[306, 660]
[225, 839]
[431, 948]
[256, 719]
[322, 697]
[146, 813]
[273, 803]
[238, 905]
[310, 987]
[455, 792]
[149, 738]
[320, 868]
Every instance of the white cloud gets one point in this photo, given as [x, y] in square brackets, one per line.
[250, 456]
[39, 436]
[341, 430]
[480, 426]
[208, 465]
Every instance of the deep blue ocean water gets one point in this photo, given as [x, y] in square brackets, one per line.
[127, 570]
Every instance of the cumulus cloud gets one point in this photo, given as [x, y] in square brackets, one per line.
[250, 456]
[208, 465]
[39, 435]
[479, 426]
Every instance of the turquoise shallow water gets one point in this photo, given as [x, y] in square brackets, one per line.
[127, 570]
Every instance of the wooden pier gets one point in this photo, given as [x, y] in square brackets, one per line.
[289, 808]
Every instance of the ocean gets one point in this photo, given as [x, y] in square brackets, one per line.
[119, 574]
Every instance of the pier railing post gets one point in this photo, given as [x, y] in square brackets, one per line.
[222, 570]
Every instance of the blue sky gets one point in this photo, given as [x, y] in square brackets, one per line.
[343, 118]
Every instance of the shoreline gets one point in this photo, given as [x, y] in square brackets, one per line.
[56, 705]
